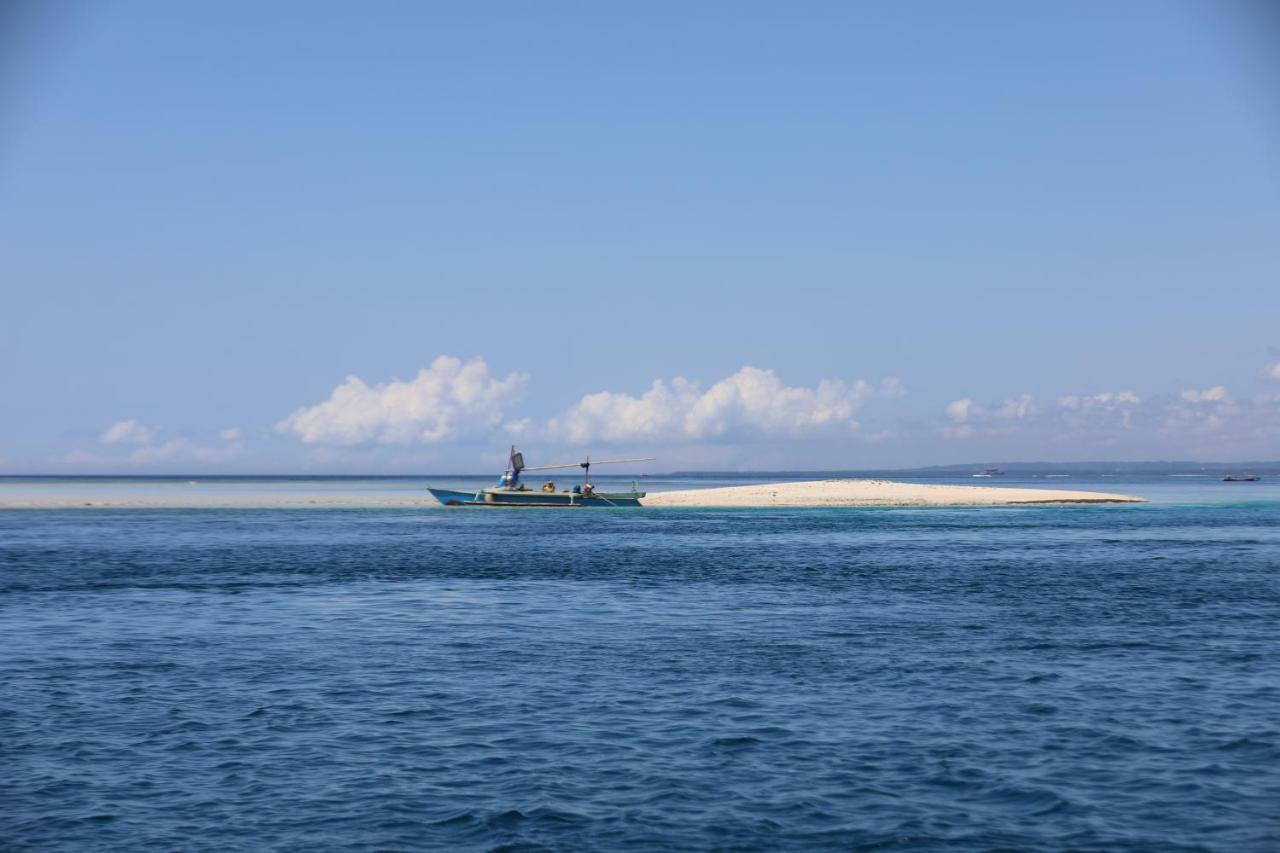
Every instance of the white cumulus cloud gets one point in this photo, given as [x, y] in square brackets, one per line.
[1085, 412]
[128, 432]
[1073, 414]
[1272, 371]
[751, 402]
[969, 418]
[135, 444]
[966, 410]
[960, 410]
[1103, 400]
[431, 407]
[182, 450]
[1201, 411]
[1019, 407]
[1216, 394]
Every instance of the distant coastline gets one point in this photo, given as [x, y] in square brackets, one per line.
[1010, 469]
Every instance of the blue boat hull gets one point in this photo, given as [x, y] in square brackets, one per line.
[500, 498]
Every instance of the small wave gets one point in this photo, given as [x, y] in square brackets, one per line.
[460, 819]
[734, 702]
[1250, 745]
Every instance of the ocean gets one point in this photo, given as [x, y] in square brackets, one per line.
[336, 678]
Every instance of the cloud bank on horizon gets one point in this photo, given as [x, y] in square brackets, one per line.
[1191, 418]
[450, 397]
[453, 402]
[146, 448]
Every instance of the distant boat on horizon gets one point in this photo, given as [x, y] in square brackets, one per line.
[989, 472]
[1241, 478]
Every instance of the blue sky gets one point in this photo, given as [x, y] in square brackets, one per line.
[835, 234]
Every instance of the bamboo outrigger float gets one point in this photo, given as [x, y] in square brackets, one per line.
[511, 492]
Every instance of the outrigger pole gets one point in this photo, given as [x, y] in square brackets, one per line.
[586, 464]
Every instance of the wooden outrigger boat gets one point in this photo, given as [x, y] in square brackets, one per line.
[511, 492]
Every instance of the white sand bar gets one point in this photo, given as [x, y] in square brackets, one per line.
[874, 493]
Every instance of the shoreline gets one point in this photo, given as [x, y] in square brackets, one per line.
[805, 493]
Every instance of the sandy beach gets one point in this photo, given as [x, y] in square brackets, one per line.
[875, 493]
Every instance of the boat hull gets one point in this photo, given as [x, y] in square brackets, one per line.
[502, 498]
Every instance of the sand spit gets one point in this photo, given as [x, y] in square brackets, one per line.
[875, 493]
[810, 493]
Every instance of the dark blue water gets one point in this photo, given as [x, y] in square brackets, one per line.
[1016, 678]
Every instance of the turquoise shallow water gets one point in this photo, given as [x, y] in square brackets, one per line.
[1031, 678]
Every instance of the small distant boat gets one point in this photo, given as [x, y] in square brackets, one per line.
[511, 492]
[1241, 478]
[989, 472]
